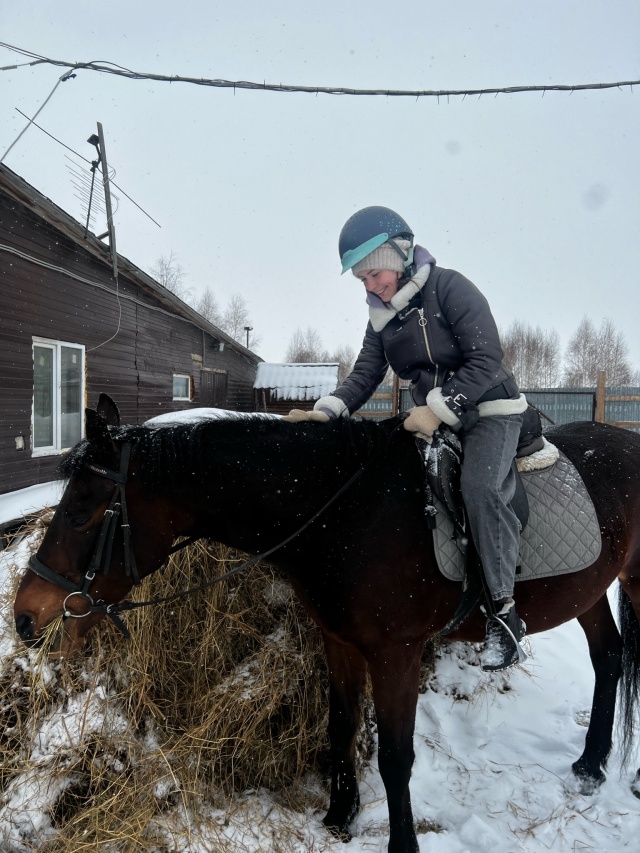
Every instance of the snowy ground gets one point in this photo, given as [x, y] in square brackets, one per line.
[492, 768]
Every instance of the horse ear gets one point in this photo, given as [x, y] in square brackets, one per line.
[97, 431]
[108, 409]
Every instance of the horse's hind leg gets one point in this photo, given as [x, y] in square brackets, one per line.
[395, 674]
[605, 649]
[347, 673]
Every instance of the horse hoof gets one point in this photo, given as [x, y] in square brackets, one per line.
[584, 782]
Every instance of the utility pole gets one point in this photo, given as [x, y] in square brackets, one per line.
[98, 142]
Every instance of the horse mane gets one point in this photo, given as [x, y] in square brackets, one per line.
[170, 452]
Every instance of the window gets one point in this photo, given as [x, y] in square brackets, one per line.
[58, 395]
[181, 386]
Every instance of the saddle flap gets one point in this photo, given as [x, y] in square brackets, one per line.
[443, 476]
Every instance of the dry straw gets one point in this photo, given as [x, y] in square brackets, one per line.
[147, 745]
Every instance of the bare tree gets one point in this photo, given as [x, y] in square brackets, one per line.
[591, 350]
[306, 346]
[235, 321]
[171, 275]
[345, 357]
[614, 354]
[532, 354]
[207, 306]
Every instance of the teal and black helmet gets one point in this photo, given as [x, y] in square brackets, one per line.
[369, 228]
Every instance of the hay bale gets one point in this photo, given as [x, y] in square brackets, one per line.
[125, 747]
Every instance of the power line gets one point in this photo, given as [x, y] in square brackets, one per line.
[120, 71]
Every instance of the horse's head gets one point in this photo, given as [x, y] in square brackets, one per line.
[107, 532]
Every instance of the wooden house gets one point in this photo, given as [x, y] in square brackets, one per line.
[70, 330]
[278, 388]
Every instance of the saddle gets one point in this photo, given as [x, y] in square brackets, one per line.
[442, 483]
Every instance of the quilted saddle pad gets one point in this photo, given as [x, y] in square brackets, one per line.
[562, 535]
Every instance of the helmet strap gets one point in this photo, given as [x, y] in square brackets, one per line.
[407, 259]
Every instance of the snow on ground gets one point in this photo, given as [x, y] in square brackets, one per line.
[493, 766]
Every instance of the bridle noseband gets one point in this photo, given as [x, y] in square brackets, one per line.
[115, 516]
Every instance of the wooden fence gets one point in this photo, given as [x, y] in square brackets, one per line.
[559, 405]
[602, 398]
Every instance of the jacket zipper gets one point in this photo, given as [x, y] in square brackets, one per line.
[423, 322]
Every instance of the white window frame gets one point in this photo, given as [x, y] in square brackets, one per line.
[56, 448]
[186, 376]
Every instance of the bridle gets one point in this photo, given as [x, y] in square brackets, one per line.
[115, 516]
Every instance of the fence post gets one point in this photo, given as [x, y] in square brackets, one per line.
[600, 396]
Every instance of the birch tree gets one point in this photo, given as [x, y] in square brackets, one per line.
[591, 349]
[207, 306]
[532, 354]
[168, 272]
[305, 346]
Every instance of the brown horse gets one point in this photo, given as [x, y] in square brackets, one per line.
[365, 569]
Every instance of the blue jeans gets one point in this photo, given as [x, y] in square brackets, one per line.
[488, 483]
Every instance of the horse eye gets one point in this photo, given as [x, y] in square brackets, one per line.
[79, 520]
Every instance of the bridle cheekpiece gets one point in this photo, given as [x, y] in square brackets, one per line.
[115, 516]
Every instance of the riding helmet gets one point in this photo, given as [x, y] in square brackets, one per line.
[368, 229]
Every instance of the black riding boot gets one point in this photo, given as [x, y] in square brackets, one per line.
[504, 632]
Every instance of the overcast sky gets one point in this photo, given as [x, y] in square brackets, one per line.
[535, 199]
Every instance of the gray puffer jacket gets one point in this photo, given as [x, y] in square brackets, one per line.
[439, 333]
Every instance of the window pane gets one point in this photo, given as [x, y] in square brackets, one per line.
[42, 397]
[181, 387]
[70, 395]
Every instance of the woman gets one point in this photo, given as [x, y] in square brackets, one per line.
[435, 328]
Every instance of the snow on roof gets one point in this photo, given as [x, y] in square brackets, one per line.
[297, 381]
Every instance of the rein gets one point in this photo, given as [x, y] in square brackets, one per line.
[117, 510]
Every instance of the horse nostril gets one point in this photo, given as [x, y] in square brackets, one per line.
[25, 627]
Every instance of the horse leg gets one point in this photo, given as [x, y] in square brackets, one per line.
[395, 675]
[629, 618]
[347, 673]
[605, 649]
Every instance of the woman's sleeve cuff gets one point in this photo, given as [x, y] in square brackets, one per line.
[436, 403]
[332, 406]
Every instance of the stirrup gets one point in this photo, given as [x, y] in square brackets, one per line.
[522, 656]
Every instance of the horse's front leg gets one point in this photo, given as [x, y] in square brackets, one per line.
[605, 649]
[347, 673]
[395, 674]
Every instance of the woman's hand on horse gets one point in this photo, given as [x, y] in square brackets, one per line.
[422, 421]
[297, 415]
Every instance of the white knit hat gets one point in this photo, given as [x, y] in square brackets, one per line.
[384, 257]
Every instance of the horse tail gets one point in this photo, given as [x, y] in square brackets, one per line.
[629, 685]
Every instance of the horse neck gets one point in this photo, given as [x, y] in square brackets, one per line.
[256, 483]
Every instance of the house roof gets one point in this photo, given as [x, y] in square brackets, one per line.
[17, 188]
[297, 381]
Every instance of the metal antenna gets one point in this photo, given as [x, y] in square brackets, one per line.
[84, 186]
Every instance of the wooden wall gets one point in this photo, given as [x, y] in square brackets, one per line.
[135, 367]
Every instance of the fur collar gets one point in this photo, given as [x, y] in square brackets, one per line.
[380, 313]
